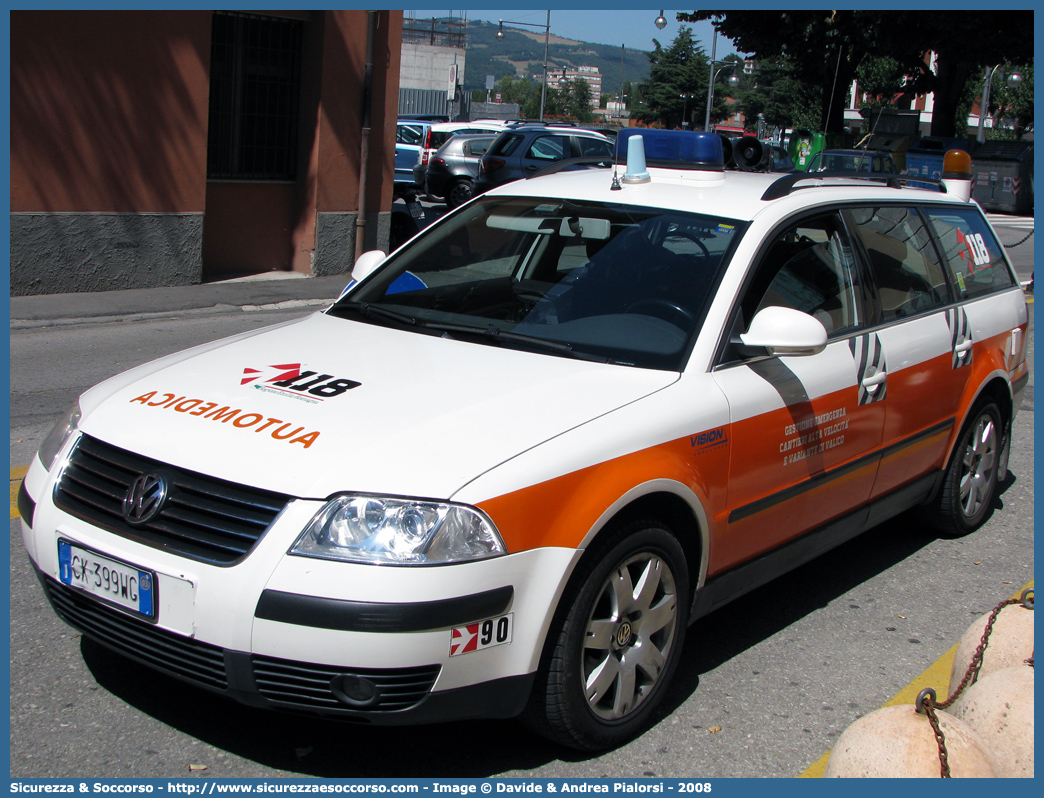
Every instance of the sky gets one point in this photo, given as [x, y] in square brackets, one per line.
[635, 29]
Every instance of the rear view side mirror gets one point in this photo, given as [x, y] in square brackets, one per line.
[785, 331]
[367, 264]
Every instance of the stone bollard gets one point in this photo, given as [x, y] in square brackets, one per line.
[898, 742]
[999, 708]
[1010, 643]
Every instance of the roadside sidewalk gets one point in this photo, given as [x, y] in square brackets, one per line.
[263, 292]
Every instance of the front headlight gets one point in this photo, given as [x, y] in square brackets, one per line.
[58, 435]
[374, 529]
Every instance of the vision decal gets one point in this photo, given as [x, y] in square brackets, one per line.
[871, 370]
[711, 439]
[960, 337]
[277, 428]
[288, 379]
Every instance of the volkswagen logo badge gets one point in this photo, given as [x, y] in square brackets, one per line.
[145, 498]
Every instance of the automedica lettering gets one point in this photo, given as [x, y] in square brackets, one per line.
[277, 428]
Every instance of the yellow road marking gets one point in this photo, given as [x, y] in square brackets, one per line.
[937, 675]
[16, 480]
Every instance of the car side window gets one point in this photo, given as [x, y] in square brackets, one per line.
[974, 256]
[809, 267]
[549, 148]
[903, 261]
[595, 147]
[477, 147]
[407, 134]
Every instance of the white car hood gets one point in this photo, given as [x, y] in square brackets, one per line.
[427, 416]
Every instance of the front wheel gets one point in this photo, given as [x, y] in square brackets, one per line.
[971, 478]
[615, 640]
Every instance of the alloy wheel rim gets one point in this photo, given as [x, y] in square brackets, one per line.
[629, 636]
[978, 465]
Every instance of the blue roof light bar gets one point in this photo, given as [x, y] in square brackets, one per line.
[676, 149]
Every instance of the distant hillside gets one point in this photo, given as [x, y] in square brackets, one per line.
[521, 52]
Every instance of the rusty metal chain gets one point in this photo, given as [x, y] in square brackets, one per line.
[926, 705]
[1023, 241]
[926, 700]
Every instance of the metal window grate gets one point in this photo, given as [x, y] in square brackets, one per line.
[255, 88]
[204, 518]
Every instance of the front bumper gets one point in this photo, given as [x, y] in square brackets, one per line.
[361, 642]
[381, 696]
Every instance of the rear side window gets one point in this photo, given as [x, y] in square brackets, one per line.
[476, 147]
[437, 138]
[505, 145]
[550, 148]
[903, 261]
[595, 147]
[975, 258]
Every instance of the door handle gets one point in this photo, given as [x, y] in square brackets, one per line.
[872, 381]
[963, 346]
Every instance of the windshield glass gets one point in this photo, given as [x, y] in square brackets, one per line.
[600, 281]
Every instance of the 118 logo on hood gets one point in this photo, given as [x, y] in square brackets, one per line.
[289, 377]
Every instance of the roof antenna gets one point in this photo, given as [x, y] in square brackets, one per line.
[615, 185]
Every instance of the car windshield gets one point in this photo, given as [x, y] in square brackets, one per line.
[598, 281]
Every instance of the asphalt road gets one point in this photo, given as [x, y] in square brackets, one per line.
[766, 684]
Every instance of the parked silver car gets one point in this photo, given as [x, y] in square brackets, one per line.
[452, 170]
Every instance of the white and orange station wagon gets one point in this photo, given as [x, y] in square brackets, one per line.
[509, 466]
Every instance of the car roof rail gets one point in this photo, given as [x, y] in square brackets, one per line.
[584, 160]
[786, 184]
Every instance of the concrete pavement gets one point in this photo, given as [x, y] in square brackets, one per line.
[273, 290]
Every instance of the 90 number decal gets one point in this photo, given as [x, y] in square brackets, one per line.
[483, 634]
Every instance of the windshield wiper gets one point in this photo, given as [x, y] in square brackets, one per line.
[370, 310]
[496, 334]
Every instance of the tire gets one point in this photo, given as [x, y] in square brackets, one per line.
[967, 494]
[612, 648]
[460, 192]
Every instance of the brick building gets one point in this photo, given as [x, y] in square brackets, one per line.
[154, 148]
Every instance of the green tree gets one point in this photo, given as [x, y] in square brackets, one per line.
[575, 99]
[823, 48]
[881, 78]
[677, 83]
[964, 44]
[826, 48]
[781, 97]
[1012, 104]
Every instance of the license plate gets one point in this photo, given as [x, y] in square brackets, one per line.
[416, 210]
[116, 582]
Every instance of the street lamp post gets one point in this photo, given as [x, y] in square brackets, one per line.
[733, 80]
[685, 107]
[1014, 79]
[547, 41]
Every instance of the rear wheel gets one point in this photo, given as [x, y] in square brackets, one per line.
[971, 478]
[460, 192]
[615, 640]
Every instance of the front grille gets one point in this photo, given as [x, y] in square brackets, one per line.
[200, 663]
[204, 518]
[306, 686]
